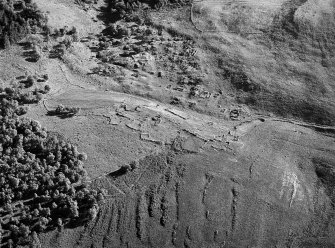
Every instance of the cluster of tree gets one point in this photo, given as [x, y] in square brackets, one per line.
[16, 94]
[120, 8]
[87, 2]
[65, 31]
[67, 35]
[36, 53]
[118, 30]
[64, 111]
[33, 42]
[43, 183]
[17, 19]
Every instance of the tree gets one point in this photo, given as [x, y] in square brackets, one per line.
[73, 31]
[14, 181]
[74, 209]
[62, 50]
[24, 230]
[101, 198]
[60, 224]
[8, 207]
[68, 42]
[72, 191]
[35, 241]
[75, 37]
[47, 88]
[14, 229]
[82, 156]
[6, 42]
[36, 212]
[42, 224]
[10, 243]
[37, 53]
[1, 230]
[46, 212]
[93, 212]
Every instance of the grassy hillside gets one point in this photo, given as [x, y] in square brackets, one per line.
[205, 124]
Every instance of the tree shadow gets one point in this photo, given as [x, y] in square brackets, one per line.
[56, 52]
[105, 13]
[31, 59]
[25, 45]
[120, 172]
[26, 83]
[29, 54]
[80, 221]
[61, 115]
[124, 55]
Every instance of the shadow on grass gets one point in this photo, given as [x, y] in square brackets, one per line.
[120, 172]
[28, 54]
[61, 115]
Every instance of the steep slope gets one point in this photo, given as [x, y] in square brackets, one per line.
[275, 193]
[278, 55]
